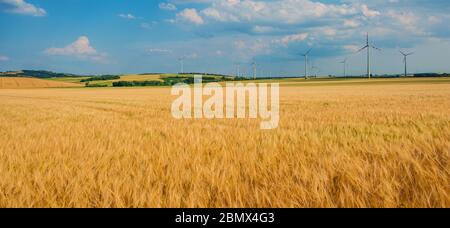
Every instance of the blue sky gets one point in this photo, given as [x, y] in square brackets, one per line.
[137, 36]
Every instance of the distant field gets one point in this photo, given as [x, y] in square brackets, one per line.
[68, 79]
[138, 77]
[24, 83]
[283, 81]
[131, 77]
[364, 144]
[353, 81]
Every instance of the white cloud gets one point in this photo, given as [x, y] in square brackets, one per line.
[127, 16]
[368, 12]
[158, 51]
[434, 19]
[351, 23]
[352, 48]
[4, 58]
[327, 31]
[409, 21]
[286, 11]
[293, 38]
[190, 15]
[247, 49]
[263, 29]
[148, 25]
[404, 18]
[167, 6]
[81, 48]
[192, 56]
[239, 44]
[22, 7]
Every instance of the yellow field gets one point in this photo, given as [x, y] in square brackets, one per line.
[134, 77]
[23, 83]
[364, 145]
[129, 77]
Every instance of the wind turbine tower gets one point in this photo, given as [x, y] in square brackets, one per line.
[314, 69]
[405, 55]
[368, 46]
[254, 70]
[181, 60]
[238, 69]
[306, 63]
[345, 67]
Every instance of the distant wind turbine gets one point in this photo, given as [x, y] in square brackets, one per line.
[306, 63]
[238, 69]
[181, 60]
[344, 62]
[405, 55]
[314, 69]
[254, 70]
[368, 46]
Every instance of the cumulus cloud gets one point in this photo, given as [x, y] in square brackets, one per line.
[352, 48]
[331, 26]
[127, 16]
[22, 7]
[263, 29]
[167, 6]
[246, 49]
[351, 23]
[293, 38]
[286, 11]
[190, 15]
[4, 58]
[368, 12]
[81, 48]
[158, 51]
[289, 20]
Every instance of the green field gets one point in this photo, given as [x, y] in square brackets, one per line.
[138, 77]
[68, 79]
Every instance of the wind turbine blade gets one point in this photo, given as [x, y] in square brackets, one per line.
[308, 51]
[375, 48]
[410, 53]
[362, 49]
[402, 53]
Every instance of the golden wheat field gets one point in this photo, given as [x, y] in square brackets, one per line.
[26, 83]
[364, 145]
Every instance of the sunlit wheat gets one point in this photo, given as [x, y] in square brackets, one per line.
[336, 146]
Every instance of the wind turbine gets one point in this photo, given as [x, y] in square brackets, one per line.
[314, 69]
[405, 55]
[306, 63]
[345, 67]
[368, 46]
[181, 60]
[238, 69]
[254, 69]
